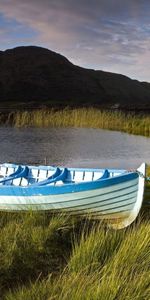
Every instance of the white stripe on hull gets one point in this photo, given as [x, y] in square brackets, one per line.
[121, 198]
[102, 193]
[93, 206]
[120, 201]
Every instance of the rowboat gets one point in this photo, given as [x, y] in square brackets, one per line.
[114, 196]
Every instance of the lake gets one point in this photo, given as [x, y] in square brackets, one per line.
[77, 147]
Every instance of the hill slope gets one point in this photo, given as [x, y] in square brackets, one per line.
[36, 76]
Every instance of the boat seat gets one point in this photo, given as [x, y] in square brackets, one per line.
[20, 172]
[105, 175]
[60, 177]
[7, 178]
[50, 179]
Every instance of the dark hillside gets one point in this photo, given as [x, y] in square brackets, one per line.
[35, 77]
[146, 85]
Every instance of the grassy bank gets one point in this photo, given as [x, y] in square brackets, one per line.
[44, 257]
[147, 189]
[58, 257]
[90, 117]
[48, 257]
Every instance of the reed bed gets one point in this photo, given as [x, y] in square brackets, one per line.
[83, 117]
[59, 257]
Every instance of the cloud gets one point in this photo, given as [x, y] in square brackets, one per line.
[111, 35]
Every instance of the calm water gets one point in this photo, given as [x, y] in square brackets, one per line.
[73, 147]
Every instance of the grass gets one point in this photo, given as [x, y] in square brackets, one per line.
[147, 189]
[60, 257]
[49, 257]
[82, 117]
[45, 256]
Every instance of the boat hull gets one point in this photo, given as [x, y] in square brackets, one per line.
[116, 200]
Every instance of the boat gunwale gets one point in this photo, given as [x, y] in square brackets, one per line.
[67, 187]
[43, 167]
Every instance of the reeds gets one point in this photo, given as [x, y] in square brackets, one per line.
[60, 257]
[83, 117]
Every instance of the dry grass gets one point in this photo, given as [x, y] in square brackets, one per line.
[91, 118]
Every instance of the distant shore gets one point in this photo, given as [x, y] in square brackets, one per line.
[130, 122]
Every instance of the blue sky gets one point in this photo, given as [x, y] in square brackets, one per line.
[110, 35]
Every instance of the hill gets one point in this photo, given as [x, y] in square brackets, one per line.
[33, 77]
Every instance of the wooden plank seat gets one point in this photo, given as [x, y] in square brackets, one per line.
[19, 173]
[53, 178]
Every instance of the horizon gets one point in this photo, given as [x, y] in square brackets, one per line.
[112, 37]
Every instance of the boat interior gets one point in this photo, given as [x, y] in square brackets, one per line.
[20, 175]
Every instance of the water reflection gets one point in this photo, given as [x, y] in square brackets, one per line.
[73, 147]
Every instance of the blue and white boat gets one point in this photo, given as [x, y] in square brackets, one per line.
[111, 195]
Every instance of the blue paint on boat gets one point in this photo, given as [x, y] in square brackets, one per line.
[66, 188]
[20, 172]
[112, 195]
[55, 177]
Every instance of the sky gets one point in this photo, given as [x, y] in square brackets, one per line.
[108, 35]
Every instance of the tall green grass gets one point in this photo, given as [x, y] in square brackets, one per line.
[147, 189]
[65, 258]
[45, 256]
[90, 117]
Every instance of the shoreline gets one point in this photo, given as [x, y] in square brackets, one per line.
[129, 122]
